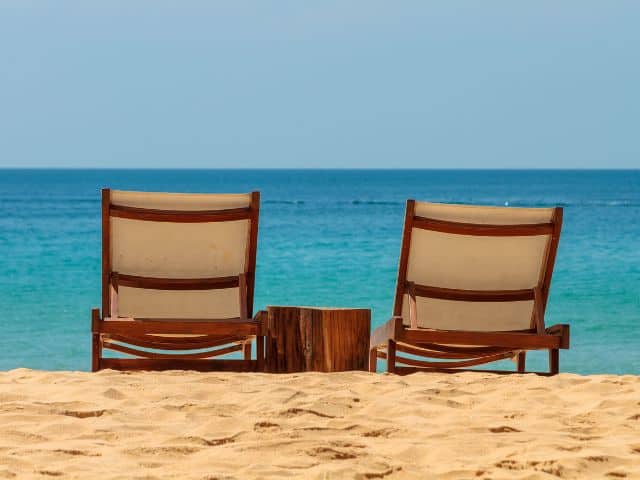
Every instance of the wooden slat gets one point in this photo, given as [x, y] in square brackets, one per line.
[413, 307]
[472, 295]
[144, 354]
[106, 252]
[156, 283]
[538, 311]
[113, 299]
[551, 255]
[468, 351]
[432, 354]
[404, 257]
[146, 326]
[205, 365]
[464, 353]
[482, 230]
[497, 339]
[174, 343]
[459, 364]
[252, 250]
[400, 370]
[242, 295]
[391, 356]
[180, 216]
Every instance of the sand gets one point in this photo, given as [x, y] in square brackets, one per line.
[190, 425]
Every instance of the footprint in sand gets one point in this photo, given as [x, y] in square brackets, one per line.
[113, 394]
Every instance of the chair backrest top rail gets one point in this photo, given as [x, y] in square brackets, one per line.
[180, 216]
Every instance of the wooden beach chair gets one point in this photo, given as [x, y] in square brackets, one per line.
[178, 275]
[473, 284]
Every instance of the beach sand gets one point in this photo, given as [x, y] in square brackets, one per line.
[188, 425]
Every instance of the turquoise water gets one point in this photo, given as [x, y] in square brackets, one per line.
[327, 237]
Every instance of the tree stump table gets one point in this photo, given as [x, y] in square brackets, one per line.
[317, 339]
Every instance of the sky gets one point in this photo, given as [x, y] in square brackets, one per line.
[320, 84]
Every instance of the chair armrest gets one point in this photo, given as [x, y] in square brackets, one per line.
[385, 332]
[561, 330]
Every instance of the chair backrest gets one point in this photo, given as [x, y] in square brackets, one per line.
[475, 268]
[182, 256]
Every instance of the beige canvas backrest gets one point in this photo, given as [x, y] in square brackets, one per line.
[475, 268]
[170, 255]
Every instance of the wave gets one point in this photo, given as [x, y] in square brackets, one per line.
[591, 203]
[80, 202]
[51, 199]
[284, 202]
[374, 202]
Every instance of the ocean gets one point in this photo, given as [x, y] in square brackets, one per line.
[327, 237]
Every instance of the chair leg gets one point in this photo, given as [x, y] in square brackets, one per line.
[373, 359]
[554, 361]
[96, 341]
[260, 353]
[96, 351]
[246, 350]
[522, 362]
[391, 356]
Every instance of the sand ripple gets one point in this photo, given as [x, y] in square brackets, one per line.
[349, 425]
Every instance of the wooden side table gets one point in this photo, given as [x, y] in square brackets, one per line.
[317, 339]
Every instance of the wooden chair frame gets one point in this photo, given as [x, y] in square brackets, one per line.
[123, 334]
[472, 348]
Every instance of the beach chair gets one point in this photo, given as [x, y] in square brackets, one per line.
[178, 275]
[473, 284]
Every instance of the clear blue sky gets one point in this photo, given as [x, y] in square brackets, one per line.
[320, 84]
